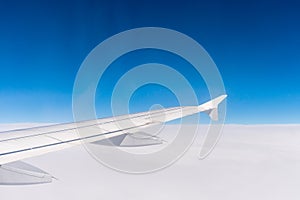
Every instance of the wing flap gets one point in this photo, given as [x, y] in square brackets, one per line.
[131, 140]
[20, 173]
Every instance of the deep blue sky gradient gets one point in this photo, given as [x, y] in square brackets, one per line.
[255, 44]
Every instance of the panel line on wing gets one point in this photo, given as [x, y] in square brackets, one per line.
[86, 126]
[69, 141]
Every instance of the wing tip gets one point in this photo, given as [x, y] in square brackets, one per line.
[211, 107]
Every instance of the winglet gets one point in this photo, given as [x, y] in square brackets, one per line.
[211, 107]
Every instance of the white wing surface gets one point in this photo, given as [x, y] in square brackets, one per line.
[19, 144]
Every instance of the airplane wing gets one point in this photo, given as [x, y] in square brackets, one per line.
[124, 130]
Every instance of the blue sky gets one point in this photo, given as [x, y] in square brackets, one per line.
[255, 45]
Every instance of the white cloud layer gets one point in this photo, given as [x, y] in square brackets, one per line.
[250, 162]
